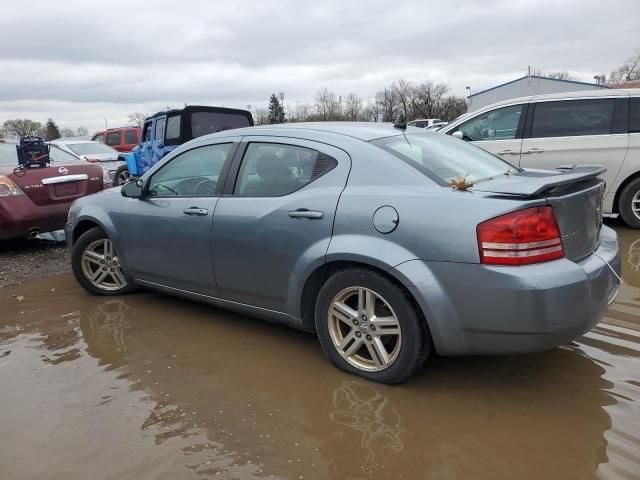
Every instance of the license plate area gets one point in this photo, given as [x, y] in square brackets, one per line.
[66, 189]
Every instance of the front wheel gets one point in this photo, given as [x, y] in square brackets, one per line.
[96, 265]
[369, 326]
[122, 175]
[629, 203]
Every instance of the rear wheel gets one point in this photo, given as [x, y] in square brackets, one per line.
[629, 203]
[96, 265]
[367, 325]
[122, 175]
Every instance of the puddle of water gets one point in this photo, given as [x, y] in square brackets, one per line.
[148, 386]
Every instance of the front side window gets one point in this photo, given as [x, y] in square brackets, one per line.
[193, 173]
[173, 127]
[113, 138]
[146, 132]
[499, 124]
[159, 129]
[99, 138]
[273, 169]
[570, 118]
[444, 158]
[130, 137]
[634, 115]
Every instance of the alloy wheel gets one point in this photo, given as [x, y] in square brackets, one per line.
[101, 266]
[635, 204]
[364, 329]
[124, 177]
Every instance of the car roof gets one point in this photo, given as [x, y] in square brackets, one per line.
[612, 92]
[365, 131]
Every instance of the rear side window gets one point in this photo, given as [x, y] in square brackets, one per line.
[634, 115]
[113, 138]
[570, 118]
[173, 127]
[499, 124]
[273, 169]
[130, 137]
[204, 123]
[159, 129]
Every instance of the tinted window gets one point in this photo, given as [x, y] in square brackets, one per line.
[445, 158]
[113, 138]
[99, 138]
[572, 118]
[500, 124]
[130, 137]
[634, 115]
[159, 129]
[146, 131]
[173, 127]
[272, 169]
[192, 173]
[203, 123]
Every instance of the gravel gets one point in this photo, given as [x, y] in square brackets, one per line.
[22, 260]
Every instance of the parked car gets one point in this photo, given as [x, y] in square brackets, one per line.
[165, 131]
[599, 127]
[423, 122]
[122, 139]
[338, 228]
[36, 200]
[96, 152]
[436, 126]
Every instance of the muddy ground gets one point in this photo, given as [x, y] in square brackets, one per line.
[146, 386]
[22, 260]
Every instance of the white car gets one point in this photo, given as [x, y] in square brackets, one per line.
[436, 126]
[423, 122]
[600, 127]
[109, 158]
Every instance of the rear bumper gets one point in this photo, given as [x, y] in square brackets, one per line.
[19, 216]
[479, 309]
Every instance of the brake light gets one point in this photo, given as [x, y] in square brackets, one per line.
[8, 188]
[520, 238]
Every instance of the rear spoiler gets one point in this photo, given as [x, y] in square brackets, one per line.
[533, 182]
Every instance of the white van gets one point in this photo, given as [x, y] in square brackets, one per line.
[600, 127]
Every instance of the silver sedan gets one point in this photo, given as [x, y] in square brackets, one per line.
[389, 245]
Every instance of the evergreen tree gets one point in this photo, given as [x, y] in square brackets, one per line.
[51, 130]
[276, 110]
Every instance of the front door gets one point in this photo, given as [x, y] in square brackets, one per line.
[168, 232]
[276, 219]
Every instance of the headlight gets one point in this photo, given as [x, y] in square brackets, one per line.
[8, 188]
[106, 176]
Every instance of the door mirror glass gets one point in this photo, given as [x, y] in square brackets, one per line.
[132, 189]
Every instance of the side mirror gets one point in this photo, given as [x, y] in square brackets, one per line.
[458, 134]
[133, 189]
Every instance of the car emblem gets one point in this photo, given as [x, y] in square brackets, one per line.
[63, 171]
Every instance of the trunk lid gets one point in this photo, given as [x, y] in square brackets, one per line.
[58, 184]
[575, 193]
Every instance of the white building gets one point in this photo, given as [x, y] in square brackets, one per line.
[524, 86]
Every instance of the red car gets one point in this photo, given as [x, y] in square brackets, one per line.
[123, 139]
[37, 200]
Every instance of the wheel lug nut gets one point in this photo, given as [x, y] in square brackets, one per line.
[364, 317]
[104, 268]
[369, 337]
[372, 327]
[358, 334]
[112, 269]
[356, 322]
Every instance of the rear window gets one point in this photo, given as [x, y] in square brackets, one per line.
[203, 123]
[572, 118]
[113, 138]
[634, 115]
[173, 127]
[89, 148]
[130, 137]
[444, 158]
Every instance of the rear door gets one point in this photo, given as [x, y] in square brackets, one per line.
[276, 219]
[168, 232]
[498, 131]
[577, 132]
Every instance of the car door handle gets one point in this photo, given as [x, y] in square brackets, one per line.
[306, 213]
[508, 152]
[195, 211]
[532, 150]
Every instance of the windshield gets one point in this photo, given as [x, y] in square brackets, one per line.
[8, 155]
[444, 158]
[90, 148]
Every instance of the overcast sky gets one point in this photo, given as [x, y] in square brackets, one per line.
[79, 61]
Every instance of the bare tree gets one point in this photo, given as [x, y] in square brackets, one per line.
[628, 71]
[261, 116]
[352, 107]
[327, 105]
[405, 93]
[136, 119]
[301, 112]
[23, 127]
[429, 98]
[387, 102]
[556, 75]
[82, 131]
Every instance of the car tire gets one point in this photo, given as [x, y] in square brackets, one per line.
[122, 176]
[625, 203]
[392, 308]
[96, 265]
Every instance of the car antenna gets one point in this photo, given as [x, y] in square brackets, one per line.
[403, 127]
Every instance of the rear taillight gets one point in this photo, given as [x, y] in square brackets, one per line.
[8, 188]
[520, 238]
